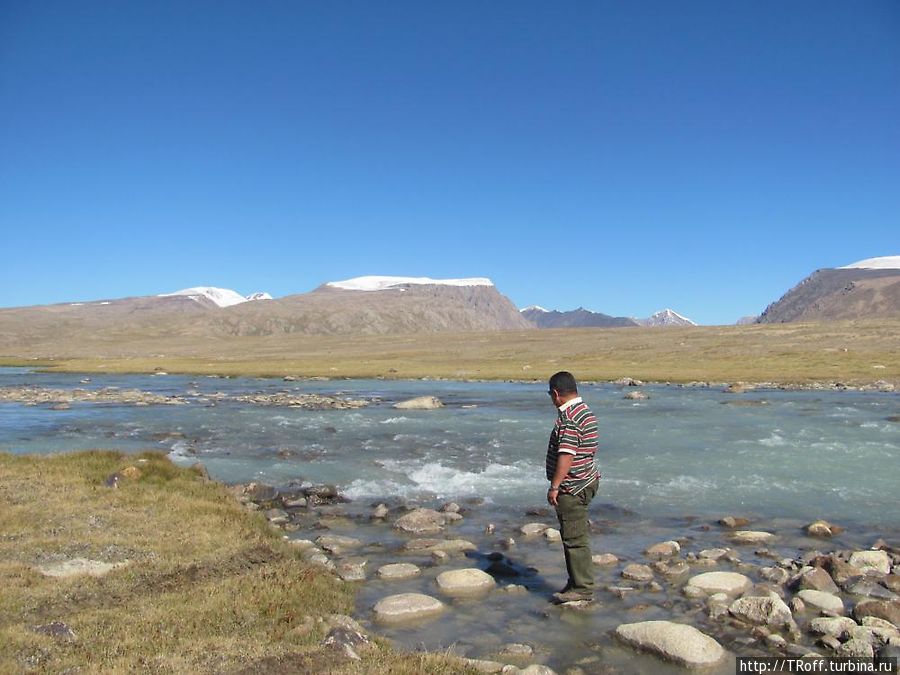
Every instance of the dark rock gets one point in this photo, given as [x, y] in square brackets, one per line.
[260, 492]
[733, 522]
[55, 629]
[815, 579]
[889, 610]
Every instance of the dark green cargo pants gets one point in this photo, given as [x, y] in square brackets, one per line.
[572, 511]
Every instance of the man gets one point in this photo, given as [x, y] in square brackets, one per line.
[572, 472]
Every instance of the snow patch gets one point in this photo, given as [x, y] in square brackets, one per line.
[222, 297]
[259, 296]
[534, 308]
[891, 262]
[377, 283]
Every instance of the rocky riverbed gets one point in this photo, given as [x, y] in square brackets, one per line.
[460, 576]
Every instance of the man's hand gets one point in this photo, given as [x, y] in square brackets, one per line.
[552, 495]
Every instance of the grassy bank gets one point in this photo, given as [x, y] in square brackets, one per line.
[853, 352]
[206, 586]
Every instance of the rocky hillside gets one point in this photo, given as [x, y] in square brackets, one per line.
[864, 290]
[576, 318]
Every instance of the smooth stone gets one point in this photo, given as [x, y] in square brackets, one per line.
[352, 570]
[888, 610]
[637, 572]
[407, 607]
[822, 528]
[816, 579]
[750, 537]
[731, 583]
[871, 590]
[766, 611]
[871, 561]
[380, 511]
[822, 601]
[713, 553]
[664, 549]
[733, 522]
[875, 622]
[398, 571]
[439, 557]
[79, 566]
[469, 581]
[676, 642]
[444, 545]
[604, 559]
[516, 649]
[552, 534]
[420, 521]
[531, 529]
[420, 403]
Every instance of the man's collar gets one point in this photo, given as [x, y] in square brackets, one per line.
[568, 404]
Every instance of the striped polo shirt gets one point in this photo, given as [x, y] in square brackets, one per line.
[574, 433]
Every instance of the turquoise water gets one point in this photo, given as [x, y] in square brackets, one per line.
[683, 452]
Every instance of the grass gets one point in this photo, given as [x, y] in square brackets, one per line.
[853, 352]
[209, 586]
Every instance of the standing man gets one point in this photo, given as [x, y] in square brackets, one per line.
[572, 472]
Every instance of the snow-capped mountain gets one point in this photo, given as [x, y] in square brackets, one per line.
[575, 318]
[381, 283]
[533, 308]
[665, 317]
[866, 289]
[222, 297]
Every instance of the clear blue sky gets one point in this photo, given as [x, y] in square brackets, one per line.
[623, 156]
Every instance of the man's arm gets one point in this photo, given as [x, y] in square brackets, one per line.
[563, 464]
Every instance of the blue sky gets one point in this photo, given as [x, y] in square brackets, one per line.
[703, 156]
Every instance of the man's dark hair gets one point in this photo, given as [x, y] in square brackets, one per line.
[564, 383]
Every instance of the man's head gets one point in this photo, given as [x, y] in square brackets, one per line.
[562, 388]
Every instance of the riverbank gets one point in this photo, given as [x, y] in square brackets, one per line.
[848, 353]
[118, 563]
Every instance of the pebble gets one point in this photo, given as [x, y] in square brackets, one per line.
[398, 571]
[469, 581]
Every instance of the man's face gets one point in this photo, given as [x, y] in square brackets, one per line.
[554, 397]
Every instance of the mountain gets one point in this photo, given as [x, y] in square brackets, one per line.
[866, 289]
[576, 318]
[665, 318]
[365, 305]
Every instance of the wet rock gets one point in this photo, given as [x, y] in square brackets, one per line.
[857, 648]
[672, 570]
[730, 583]
[335, 543]
[738, 388]
[514, 588]
[531, 529]
[483, 666]
[712, 553]
[797, 606]
[889, 610]
[717, 606]
[664, 549]
[276, 516]
[842, 572]
[552, 534]
[516, 649]
[294, 502]
[450, 507]
[878, 562]
[260, 492]
[835, 626]
[380, 511]
[604, 559]
[822, 528]
[825, 602]
[750, 537]
[871, 589]
[875, 622]
[732, 522]
[769, 610]
[420, 521]
[398, 571]
[679, 643]
[444, 545]
[636, 396]
[775, 641]
[490, 528]
[439, 557]
[352, 570]
[637, 572]
[405, 607]
[469, 581]
[420, 403]
[816, 579]
[777, 575]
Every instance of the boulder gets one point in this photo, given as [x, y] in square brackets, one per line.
[815, 579]
[336, 543]
[531, 529]
[604, 559]
[820, 600]
[469, 581]
[730, 583]
[871, 590]
[676, 642]
[712, 553]
[878, 562]
[439, 545]
[552, 534]
[352, 570]
[750, 537]
[769, 610]
[380, 511]
[835, 626]
[822, 528]
[419, 521]
[732, 522]
[636, 396]
[398, 571]
[855, 648]
[420, 403]
[407, 607]
[888, 610]
[637, 572]
[664, 549]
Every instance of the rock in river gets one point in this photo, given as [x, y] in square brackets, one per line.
[420, 403]
[680, 643]
[765, 611]
[730, 583]
[398, 571]
[822, 601]
[407, 607]
[420, 521]
[470, 581]
[871, 561]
